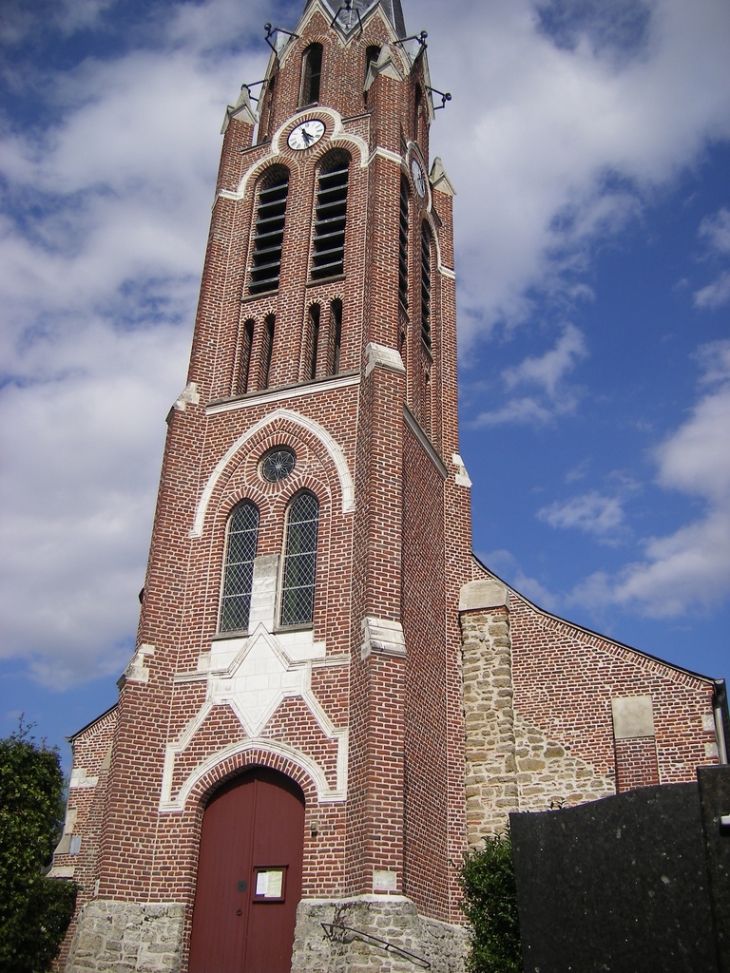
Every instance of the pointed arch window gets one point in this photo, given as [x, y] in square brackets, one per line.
[267, 349]
[243, 532]
[330, 218]
[312, 342]
[245, 358]
[426, 285]
[403, 245]
[269, 233]
[311, 75]
[300, 561]
[335, 336]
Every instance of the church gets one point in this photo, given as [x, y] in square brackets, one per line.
[331, 698]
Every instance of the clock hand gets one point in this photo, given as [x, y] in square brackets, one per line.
[306, 136]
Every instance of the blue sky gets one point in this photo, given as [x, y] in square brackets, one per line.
[590, 147]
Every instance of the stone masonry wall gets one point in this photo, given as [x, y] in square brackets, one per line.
[392, 919]
[126, 936]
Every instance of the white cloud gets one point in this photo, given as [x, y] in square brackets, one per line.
[689, 568]
[715, 232]
[592, 513]
[546, 374]
[549, 145]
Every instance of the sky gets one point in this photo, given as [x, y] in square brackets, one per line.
[589, 143]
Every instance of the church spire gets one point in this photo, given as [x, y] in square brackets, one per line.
[352, 8]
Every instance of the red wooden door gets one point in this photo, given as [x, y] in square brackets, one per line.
[249, 877]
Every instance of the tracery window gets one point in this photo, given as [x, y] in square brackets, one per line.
[300, 561]
[243, 531]
[311, 75]
[330, 217]
[269, 233]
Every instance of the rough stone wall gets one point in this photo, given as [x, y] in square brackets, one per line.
[393, 919]
[127, 936]
[552, 712]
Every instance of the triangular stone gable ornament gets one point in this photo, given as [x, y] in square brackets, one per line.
[439, 180]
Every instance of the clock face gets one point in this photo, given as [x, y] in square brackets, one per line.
[419, 180]
[306, 134]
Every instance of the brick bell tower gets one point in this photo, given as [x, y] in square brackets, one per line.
[288, 749]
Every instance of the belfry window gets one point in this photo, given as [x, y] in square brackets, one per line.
[311, 75]
[243, 531]
[269, 233]
[300, 561]
[403, 245]
[328, 258]
[426, 285]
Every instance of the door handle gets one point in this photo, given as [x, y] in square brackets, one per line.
[238, 912]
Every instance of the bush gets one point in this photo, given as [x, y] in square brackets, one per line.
[487, 881]
[34, 911]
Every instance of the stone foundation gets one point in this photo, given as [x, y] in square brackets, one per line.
[127, 936]
[393, 919]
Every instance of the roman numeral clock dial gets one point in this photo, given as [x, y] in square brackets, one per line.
[306, 134]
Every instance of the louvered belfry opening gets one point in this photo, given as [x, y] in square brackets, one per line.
[269, 233]
[243, 530]
[403, 246]
[426, 285]
[328, 257]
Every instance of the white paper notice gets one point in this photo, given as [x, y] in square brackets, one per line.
[262, 883]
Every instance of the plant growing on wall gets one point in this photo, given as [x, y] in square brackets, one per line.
[487, 880]
[34, 911]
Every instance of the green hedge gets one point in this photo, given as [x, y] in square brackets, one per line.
[487, 881]
[34, 911]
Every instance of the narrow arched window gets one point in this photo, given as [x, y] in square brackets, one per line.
[311, 75]
[403, 245]
[243, 532]
[300, 561]
[311, 342]
[335, 336]
[426, 285]
[330, 217]
[267, 349]
[417, 102]
[244, 361]
[269, 232]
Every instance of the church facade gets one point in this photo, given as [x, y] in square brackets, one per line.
[331, 697]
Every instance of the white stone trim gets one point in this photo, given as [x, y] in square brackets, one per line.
[347, 484]
[461, 477]
[228, 687]
[80, 779]
[380, 356]
[282, 395]
[425, 442]
[382, 636]
[190, 395]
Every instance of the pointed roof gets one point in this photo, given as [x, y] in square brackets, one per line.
[391, 8]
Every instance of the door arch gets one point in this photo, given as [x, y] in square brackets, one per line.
[249, 876]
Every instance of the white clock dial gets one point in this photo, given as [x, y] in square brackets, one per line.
[306, 134]
[419, 180]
